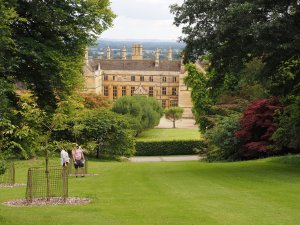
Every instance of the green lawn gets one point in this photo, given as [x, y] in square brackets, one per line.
[171, 193]
[158, 134]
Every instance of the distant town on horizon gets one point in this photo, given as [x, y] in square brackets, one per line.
[149, 47]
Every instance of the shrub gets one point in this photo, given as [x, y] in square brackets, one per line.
[2, 166]
[109, 132]
[257, 127]
[152, 148]
[145, 112]
[287, 134]
[93, 101]
[223, 145]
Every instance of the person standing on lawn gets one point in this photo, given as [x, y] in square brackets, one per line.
[78, 158]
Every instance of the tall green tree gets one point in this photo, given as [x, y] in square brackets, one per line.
[173, 114]
[235, 32]
[49, 40]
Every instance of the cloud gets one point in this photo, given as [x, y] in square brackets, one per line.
[128, 28]
[143, 9]
[143, 19]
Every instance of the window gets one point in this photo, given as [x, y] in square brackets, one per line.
[132, 89]
[114, 78]
[151, 78]
[163, 103]
[163, 90]
[132, 78]
[115, 92]
[105, 77]
[141, 78]
[105, 90]
[173, 103]
[174, 91]
[150, 91]
[123, 91]
[164, 79]
[174, 79]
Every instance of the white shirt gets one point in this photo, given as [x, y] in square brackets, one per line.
[64, 157]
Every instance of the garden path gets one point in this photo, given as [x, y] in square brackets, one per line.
[165, 158]
[182, 123]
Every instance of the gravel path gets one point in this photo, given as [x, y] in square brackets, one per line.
[182, 123]
[165, 158]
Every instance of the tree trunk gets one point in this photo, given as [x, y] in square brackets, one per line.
[173, 123]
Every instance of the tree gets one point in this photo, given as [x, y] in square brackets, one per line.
[2, 166]
[200, 94]
[173, 114]
[235, 32]
[222, 142]
[109, 131]
[49, 40]
[144, 112]
[258, 126]
[92, 101]
[8, 16]
[287, 134]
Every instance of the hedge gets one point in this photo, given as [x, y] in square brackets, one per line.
[176, 147]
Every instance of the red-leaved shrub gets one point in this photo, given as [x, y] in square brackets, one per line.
[257, 127]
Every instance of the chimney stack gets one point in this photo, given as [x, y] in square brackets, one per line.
[137, 52]
[156, 57]
[170, 54]
[108, 53]
[124, 53]
[86, 56]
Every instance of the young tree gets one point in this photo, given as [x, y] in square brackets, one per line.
[173, 114]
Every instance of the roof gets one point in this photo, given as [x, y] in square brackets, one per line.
[143, 65]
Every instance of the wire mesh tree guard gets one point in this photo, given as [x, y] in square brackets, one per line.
[46, 183]
[8, 177]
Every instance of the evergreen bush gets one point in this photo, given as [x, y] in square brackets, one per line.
[175, 147]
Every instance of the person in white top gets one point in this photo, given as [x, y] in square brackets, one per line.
[64, 158]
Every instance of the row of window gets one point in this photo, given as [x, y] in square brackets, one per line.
[142, 78]
[173, 103]
[132, 89]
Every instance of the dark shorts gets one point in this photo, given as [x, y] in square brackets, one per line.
[78, 163]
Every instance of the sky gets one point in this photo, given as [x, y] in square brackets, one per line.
[143, 19]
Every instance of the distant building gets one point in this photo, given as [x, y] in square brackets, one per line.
[161, 79]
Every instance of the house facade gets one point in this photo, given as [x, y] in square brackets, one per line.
[161, 79]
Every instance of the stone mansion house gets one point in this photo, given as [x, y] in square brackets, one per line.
[161, 79]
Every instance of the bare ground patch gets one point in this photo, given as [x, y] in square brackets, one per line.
[12, 185]
[45, 202]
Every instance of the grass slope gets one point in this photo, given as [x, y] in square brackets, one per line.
[171, 193]
[158, 134]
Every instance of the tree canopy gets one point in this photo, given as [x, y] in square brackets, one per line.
[235, 32]
[44, 43]
[253, 50]
[174, 114]
[144, 112]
